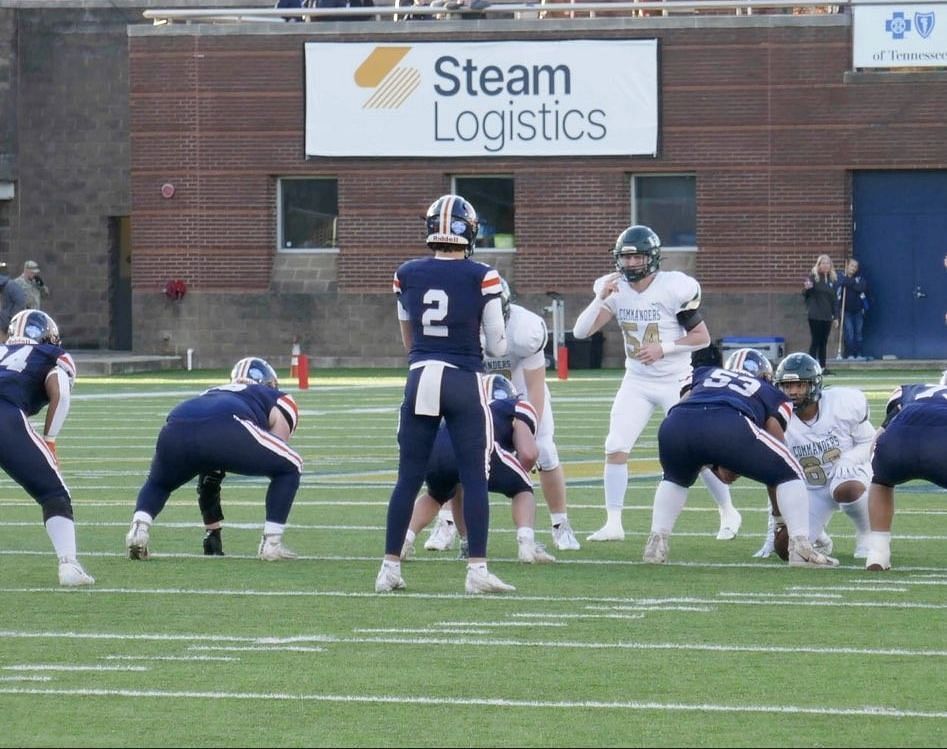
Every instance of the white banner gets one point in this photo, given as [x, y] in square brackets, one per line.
[437, 99]
[898, 36]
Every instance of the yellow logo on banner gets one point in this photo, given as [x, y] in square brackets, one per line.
[380, 71]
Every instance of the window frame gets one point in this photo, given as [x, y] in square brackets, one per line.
[481, 213]
[280, 218]
[635, 216]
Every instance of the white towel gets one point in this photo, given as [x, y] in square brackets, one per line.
[428, 400]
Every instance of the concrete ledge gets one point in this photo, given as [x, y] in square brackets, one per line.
[105, 363]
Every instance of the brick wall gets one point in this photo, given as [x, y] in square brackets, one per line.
[761, 109]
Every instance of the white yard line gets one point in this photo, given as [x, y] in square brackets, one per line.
[874, 711]
[446, 638]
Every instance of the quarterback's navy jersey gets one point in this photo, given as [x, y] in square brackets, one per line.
[252, 402]
[752, 397]
[23, 371]
[444, 300]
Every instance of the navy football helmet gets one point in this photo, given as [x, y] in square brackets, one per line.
[637, 240]
[499, 388]
[800, 367]
[750, 362]
[253, 370]
[452, 221]
[35, 325]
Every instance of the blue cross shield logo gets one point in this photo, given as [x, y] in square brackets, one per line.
[898, 25]
[924, 23]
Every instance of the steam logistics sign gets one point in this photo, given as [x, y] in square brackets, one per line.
[435, 99]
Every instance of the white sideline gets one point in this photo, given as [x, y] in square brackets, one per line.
[875, 711]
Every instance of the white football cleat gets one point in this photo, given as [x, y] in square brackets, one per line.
[136, 540]
[656, 549]
[803, 554]
[272, 549]
[389, 578]
[482, 581]
[824, 544]
[442, 537]
[563, 537]
[730, 523]
[72, 575]
[531, 552]
[878, 561]
[608, 532]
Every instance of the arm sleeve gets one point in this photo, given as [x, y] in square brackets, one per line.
[58, 405]
[582, 328]
[494, 328]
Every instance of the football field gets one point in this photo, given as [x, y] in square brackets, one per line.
[714, 649]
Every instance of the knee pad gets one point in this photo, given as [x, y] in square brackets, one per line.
[58, 506]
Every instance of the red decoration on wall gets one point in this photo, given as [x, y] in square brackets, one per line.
[175, 289]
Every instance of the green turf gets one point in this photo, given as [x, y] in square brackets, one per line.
[714, 649]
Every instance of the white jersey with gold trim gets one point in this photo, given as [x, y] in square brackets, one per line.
[841, 425]
[526, 335]
[651, 317]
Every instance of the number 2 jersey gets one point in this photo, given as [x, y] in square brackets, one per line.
[23, 371]
[444, 300]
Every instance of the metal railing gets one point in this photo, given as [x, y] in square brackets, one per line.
[508, 8]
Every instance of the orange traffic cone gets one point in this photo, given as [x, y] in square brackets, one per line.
[294, 360]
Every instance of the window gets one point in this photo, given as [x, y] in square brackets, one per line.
[668, 204]
[492, 197]
[308, 209]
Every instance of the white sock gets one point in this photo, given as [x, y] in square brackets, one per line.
[793, 501]
[446, 515]
[478, 567]
[62, 532]
[525, 535]
[858, 512]
[557, 518]
[393, 566]
[616, 483]
[141, 516]
[613, 517]
[879, 542]
[669, 500]
[273, 529]
[410, 536]
[718, 490]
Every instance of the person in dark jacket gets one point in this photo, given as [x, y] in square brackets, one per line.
[819, 293]
[852, 292]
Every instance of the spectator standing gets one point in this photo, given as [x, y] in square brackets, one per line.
[659, 315]
[821, 307]
[242, 427]
[36, 372]
[852, 294]
[26, 291]
[444, 303]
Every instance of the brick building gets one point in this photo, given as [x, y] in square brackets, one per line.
[143, 154]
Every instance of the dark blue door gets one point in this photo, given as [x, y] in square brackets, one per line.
[901, 243]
